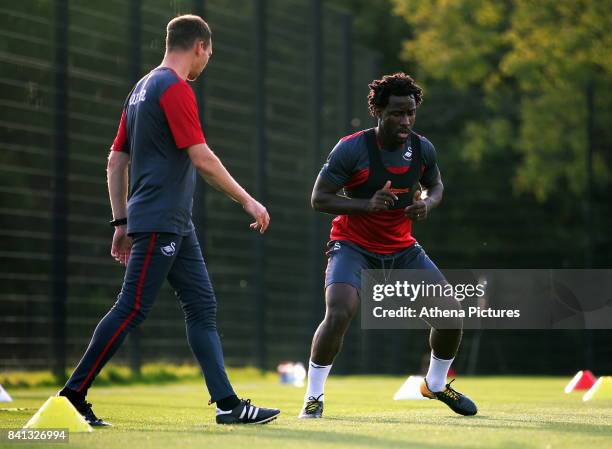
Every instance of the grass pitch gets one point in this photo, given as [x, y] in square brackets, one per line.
[514, 413]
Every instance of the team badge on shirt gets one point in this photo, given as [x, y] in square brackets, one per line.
[408, 154]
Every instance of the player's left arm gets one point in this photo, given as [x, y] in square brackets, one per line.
[179, 105]
[212, 170]
[432, 187]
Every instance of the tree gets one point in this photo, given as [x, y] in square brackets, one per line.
[536, 65]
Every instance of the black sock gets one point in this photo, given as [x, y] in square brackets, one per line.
[228, 403]
[73, 396]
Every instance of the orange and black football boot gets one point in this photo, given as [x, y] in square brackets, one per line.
[458, 403]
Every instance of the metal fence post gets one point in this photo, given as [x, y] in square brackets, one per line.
[588, 208]
[317, 137]
[260, 177]
[347, 50]
[60, 191]
[199, 211]
[135, 58]
[588, 200]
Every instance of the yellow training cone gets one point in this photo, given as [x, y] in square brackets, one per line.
[58, 413]
[601, 390]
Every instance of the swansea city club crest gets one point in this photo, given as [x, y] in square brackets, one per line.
[408, 154]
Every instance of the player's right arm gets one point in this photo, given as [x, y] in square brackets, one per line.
[325, 198]
[211, 169]
[337, 172]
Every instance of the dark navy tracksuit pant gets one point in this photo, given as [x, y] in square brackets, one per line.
[154, 258]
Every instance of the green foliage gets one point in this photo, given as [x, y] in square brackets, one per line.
[532, 63]
[113, 374]
[457, 40]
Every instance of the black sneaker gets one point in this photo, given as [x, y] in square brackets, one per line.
[84, 408]
[246, 413]
[313, 408]
[458, 402]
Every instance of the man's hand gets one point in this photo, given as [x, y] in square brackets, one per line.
[122, 245]
[418, 210]
[383, 199]
[259, 213]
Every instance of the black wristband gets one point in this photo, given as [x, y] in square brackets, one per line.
[118, 222]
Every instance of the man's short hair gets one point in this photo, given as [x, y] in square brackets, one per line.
[183, 31]
[398, 84]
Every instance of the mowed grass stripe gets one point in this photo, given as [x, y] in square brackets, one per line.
[514, 413]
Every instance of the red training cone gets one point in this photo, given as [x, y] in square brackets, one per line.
[583, 380]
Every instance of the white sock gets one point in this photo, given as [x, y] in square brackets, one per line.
[317, 375]
[436, 375]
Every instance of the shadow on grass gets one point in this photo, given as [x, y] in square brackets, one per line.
[485, 422]
[552, 426]
[342, 439]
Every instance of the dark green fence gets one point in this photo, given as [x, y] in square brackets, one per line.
[66, 68]
[285, 82]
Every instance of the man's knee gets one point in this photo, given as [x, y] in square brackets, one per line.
[452, 319]
[449, 334]
[338, 317]
[342, 303]
[199, 307]
[126, 305]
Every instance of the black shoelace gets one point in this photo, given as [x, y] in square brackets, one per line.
[313, 404]
[247, 405]
[86, 410]
[449, 392]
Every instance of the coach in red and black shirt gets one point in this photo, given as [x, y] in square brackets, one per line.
[160, 138]
[160, 120]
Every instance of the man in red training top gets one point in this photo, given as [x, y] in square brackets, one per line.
[378, 172]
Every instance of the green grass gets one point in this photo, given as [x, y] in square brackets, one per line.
[515, 413]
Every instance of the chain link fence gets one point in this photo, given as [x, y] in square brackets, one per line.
[285, 82]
